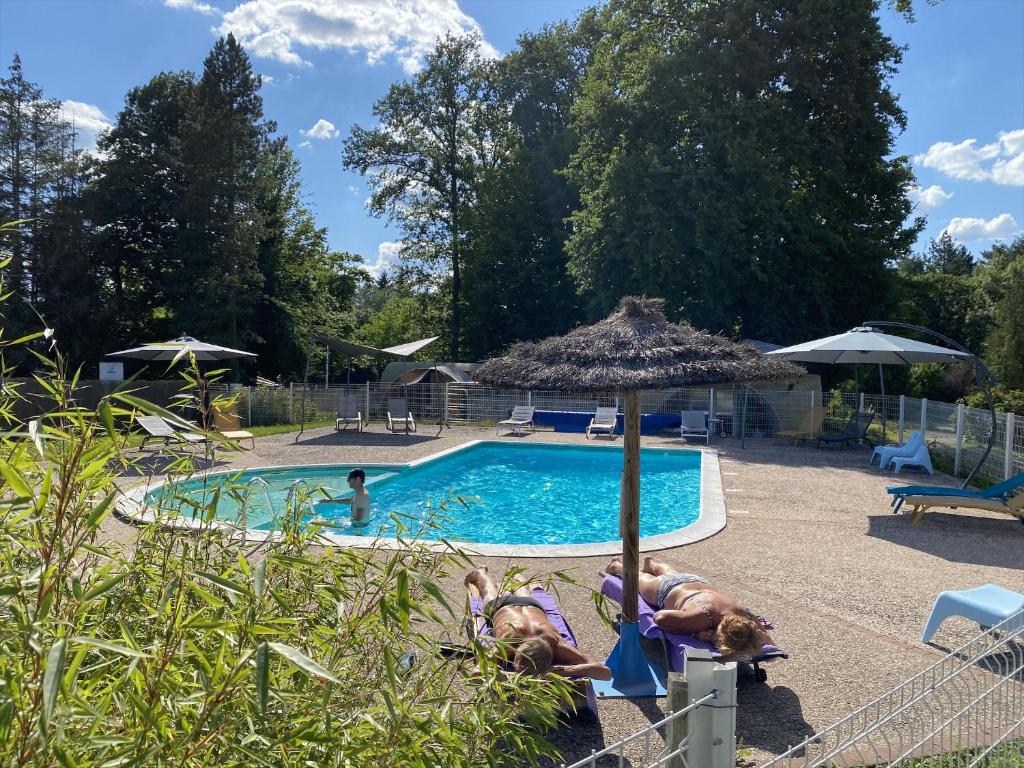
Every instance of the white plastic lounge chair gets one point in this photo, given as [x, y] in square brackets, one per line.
[694, 424]
[605, 420]
[229, 426]
[522, 416]
[919, 459]
[399, 415]
[349, 413]
[886, 453]
[157, 428]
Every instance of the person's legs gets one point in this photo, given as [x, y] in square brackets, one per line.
[484, 583]
[657, 568]
[648, 583]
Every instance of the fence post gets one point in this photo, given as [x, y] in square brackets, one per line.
[367, 402]
[903, 403]
[860, 404]
[924, 418]
[711, 728]
[1008, 450]
[676, 731]
[711, 405]
[959, 438]
[291, 402]
[446, 401]
[248, 405]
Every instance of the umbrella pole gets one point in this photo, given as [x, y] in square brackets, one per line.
[881, 384]
[632, 674]
[302, 407]
[743, 418]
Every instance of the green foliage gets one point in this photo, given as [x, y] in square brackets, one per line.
[1002, 279]
[199, 649]
[1004, 398]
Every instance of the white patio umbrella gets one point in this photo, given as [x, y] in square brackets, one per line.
[866, 344]
[169, 350]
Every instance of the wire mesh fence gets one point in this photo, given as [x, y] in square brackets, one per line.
[965, 710]
[957, 436]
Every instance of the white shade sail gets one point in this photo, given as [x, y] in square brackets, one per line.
[869, 345]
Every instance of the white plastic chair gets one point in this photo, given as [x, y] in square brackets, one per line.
[886, 453]
[605, 420]
[522, 416]
[919, 459]
[694, 424]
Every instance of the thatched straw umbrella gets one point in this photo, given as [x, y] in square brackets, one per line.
[634, 349]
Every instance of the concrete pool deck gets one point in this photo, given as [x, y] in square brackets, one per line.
[809, 542]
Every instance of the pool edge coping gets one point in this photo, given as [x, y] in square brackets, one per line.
[710, 520]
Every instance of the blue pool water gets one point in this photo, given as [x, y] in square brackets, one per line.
[517, 494]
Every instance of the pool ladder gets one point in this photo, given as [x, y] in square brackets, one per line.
[242, 515]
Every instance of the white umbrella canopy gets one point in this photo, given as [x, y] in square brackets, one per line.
[865, 344]
[169, 350]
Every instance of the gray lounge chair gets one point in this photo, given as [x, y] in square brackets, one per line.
[694, 424]
[856, 429]
[349, 412]
[522, 416]
[606, 419]
[158, 429]
[399, 415]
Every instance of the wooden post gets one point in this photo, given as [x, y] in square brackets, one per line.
[630, 512]
[678, 698]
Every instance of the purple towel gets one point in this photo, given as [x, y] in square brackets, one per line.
[547, 602]
[676, 644]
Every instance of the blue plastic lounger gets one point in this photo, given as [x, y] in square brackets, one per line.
[1000, 491]
[676, 645]
[482, 628]
[885, 453]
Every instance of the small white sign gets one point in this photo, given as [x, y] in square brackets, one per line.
[111, 371]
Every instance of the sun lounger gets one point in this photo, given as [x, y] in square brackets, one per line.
[228, 425]
[349, 412]
[920, 458]
[856, 429]
[675, 644]
[694, 424]
[158, 429]
[399, 415]
[809, 427]
[886, 453]
[522, 416]
[480, 629]
[1014, 506]
[998, 492]
[605, 420]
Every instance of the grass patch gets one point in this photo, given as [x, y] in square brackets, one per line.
[263, 430]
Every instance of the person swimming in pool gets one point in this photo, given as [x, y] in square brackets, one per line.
[535, 644]
[689, 605]
[359, 501]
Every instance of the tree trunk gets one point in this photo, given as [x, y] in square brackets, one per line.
[455, 324]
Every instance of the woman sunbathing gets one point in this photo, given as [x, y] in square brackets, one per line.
[687, 604]
[534, 643]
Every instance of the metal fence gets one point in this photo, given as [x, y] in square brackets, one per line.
[956, 435]
[965, 710]
[699, 733]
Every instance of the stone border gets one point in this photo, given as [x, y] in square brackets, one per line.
[710, 521]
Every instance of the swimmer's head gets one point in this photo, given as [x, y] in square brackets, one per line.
[357, 474]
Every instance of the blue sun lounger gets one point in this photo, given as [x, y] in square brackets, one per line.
[1000, 491]
[676, 645]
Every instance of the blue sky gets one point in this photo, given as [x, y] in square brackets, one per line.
[327, 61]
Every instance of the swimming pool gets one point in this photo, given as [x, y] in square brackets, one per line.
[518, 494]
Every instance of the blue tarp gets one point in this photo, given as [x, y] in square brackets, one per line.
[576, 421]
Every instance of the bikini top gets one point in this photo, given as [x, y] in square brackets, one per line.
[703, 607]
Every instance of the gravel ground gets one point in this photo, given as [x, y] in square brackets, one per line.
[810, 543]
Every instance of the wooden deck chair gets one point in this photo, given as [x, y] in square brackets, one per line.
[1013, 506]
[809, 427]
[228, 424]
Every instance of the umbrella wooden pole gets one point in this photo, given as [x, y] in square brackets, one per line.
[630, 511]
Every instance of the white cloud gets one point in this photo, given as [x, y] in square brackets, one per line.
[402, 29]
[352, 189]
[267, 79]
[306, 144]
[1010, 171]
[324, 129]
[967, 161]
[87, 119]
[970, 229]
[928, 199]
[388, 255]
[192, 5]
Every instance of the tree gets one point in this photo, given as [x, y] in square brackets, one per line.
[736, 158]
[948, 257]
[434, 139]
[1002, 279]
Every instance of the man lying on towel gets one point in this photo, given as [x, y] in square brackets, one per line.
[687, 604]
[535, 645]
